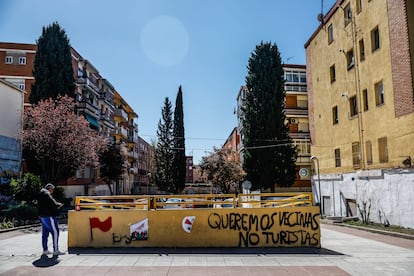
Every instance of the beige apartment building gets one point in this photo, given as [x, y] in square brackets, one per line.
[361, 109]
[97, 100]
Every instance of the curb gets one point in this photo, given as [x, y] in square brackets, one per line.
[373, 230]
[18, 228]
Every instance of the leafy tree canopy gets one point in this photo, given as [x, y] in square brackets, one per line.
[111, 161]
[56, 141]
[222, 170]
[27, 188]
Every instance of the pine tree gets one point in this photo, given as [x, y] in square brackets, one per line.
[164, 154]
[179, 144]
[269, 157]
[52, 69]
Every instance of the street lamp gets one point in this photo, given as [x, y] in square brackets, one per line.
[319, 182]
[149, 179]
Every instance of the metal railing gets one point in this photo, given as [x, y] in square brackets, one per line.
[147, 202]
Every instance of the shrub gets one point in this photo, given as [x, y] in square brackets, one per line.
[21, 213]
[27, 189]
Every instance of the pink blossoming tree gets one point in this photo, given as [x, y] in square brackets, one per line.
[56, 141]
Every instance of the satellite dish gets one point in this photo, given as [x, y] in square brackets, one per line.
[320, 17]
[246, 185]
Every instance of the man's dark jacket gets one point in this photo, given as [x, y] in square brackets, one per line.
[47, 206]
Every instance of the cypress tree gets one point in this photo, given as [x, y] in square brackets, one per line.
[269, 157]
[52, 68]
[179, 144]
[164, 154]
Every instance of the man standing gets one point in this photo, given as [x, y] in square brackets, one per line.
[48, 209]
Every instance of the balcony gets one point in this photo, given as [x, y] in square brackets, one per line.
[107, 119]
[107, 97]
[296, 111]
[81, 80]
[133, 139]
[133, 126]
[121, 114]
[121, 131]
[299, 135]
[132, 154]
[84, 105]
[92, 84]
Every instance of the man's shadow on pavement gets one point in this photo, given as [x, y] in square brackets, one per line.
[45, 261]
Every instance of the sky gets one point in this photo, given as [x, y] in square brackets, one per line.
[148, 48]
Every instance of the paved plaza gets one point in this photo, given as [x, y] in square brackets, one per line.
[344, 251]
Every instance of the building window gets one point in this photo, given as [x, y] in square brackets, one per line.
[22, 60]
[353, 106]
[375, 39]
[335, 118]
[365, 98]
[330, 34]
[80, 73]
[9, 60]
[361, 50]
[368, 148]
[379, 93]
[302, 77]
[332, 73]
[347, 14]
[383, 150]
[337, 158]
[356, 156]
[22, 86]
[350, 59]
[358, 6]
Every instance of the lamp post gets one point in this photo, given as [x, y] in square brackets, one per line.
[149, 179]
[319, 182]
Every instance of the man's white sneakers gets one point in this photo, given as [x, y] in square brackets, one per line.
[57, 253]
[46, 252]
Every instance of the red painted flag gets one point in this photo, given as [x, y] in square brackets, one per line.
[102, 225]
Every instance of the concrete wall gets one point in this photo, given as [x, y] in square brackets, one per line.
[388, 193]
[265, 227]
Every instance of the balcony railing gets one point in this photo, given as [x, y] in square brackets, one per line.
[132, 139]
[296, 111]
[299, 135]
[120, 113]
[132, 154]
[133, 125]
[121, 131]
[106, 96]
[85, 105]
[92, 84]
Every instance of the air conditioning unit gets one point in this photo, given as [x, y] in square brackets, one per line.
[292, 121]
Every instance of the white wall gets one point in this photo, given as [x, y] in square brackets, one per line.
[389, 193]
[11, 112]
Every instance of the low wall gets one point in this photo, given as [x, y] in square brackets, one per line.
[387, 195]
[232, 227]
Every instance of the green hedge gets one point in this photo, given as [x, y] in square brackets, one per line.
[20, 213]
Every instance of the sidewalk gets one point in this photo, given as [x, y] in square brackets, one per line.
[345, 251]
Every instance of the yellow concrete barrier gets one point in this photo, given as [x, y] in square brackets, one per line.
[213, 227]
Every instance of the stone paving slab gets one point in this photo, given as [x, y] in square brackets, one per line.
[181, 270]
[344, 252]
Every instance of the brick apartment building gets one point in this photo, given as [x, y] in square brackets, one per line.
[97, 100]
